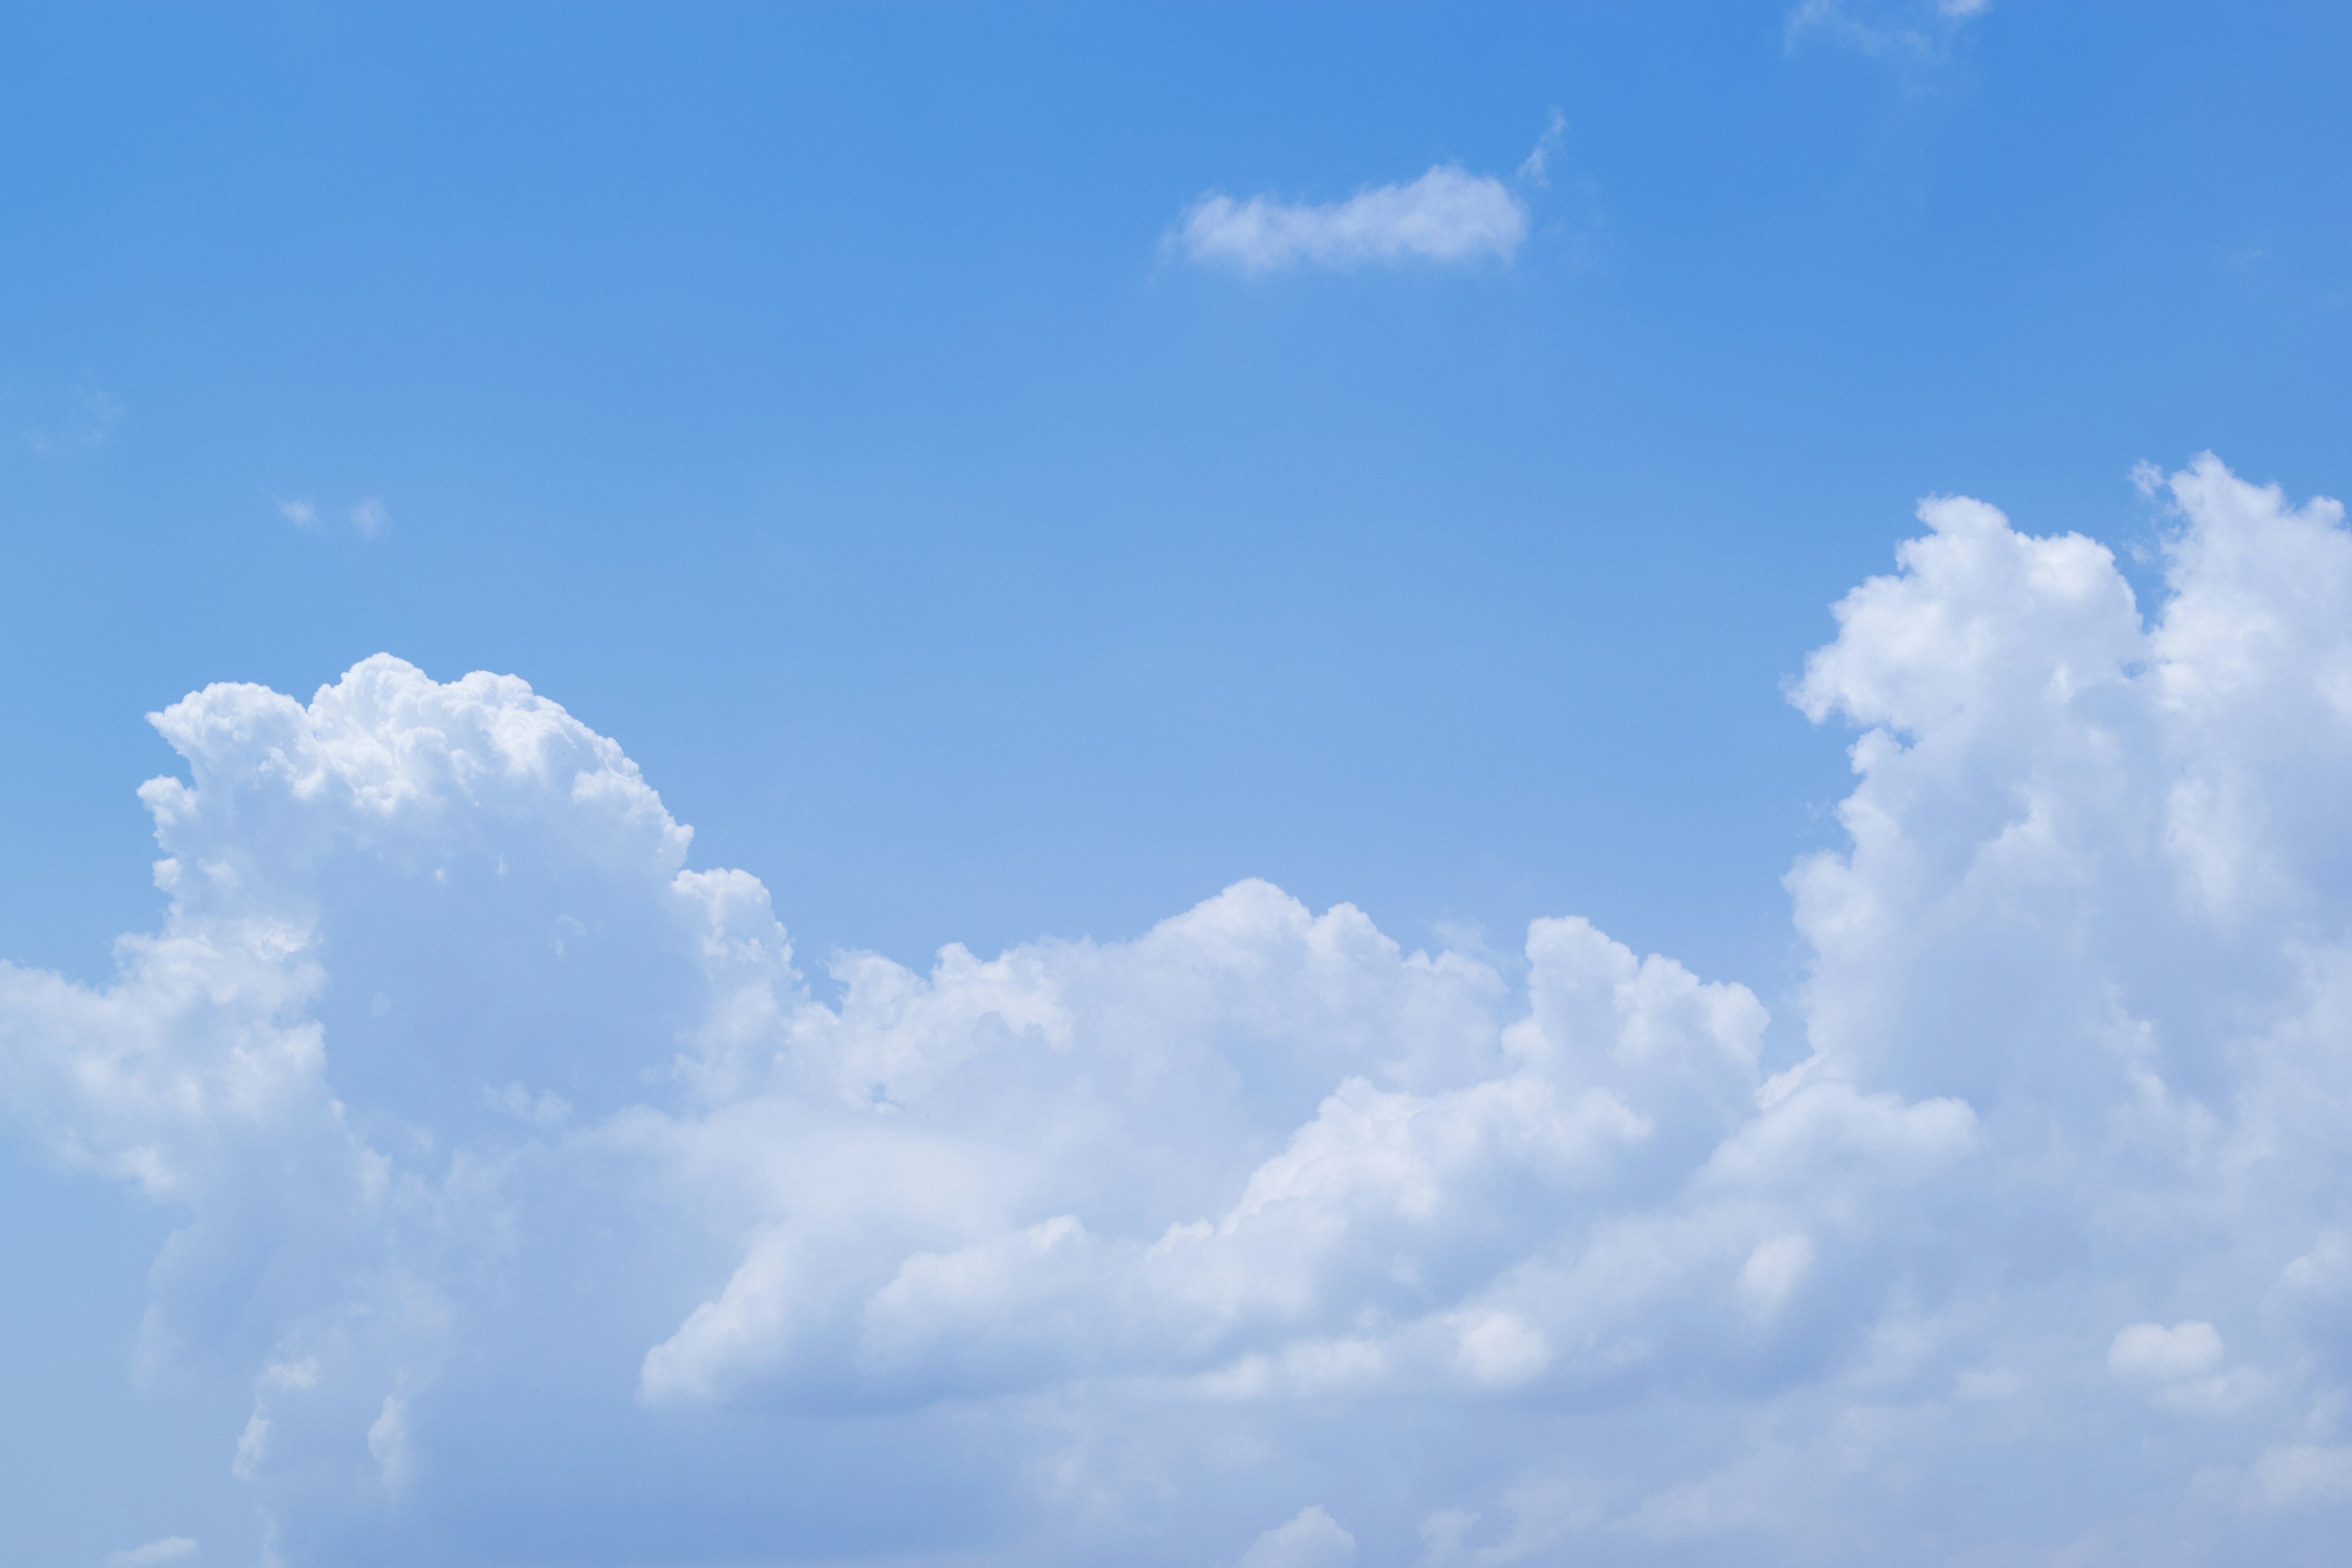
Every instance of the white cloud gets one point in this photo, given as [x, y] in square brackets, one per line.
[299, 512]
[387, 1441]
[1919, 31]
[1313, 1539]
[2181, 1368]
[171, 1549]
[370, 517]
[1535, 168]
[2149, 1353]
[2301, 1476]
[1447, 215]
[1500, 1351]
[1773, 1271]
[483, 1112]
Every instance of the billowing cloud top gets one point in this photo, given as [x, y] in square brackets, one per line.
[554, 1215]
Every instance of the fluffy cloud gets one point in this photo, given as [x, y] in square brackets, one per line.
[1313, 1539]
[503, 1143]
[1448, 216]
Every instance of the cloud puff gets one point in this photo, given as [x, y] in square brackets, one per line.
[2153, 1353]
[1447, 215]
[501, 1141]
[1313, 1539]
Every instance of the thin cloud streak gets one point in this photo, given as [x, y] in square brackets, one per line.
[1448, 216]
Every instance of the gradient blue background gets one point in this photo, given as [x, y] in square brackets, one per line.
[804, 398]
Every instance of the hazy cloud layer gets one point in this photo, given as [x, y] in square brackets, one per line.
[550, 1209]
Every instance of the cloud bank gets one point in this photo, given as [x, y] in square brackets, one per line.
[1447, 215]
[552, 1212]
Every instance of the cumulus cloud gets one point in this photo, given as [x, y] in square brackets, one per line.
[1447, 215]
[501, 1139]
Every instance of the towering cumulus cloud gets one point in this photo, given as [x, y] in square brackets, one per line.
[554, 1216]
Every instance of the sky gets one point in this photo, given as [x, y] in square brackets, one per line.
[1211, 785]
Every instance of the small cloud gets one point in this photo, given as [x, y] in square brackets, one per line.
[1918, 30]
[1535, 168]
[1312, 1540]
[303, 1373]
[544, 1110]
[387, 1440]
[2151, 1353]
[301, 513]
[1773, 1271]
[252, 1447]
[369, 518]
[1448, 215]
[2179, 1368]
[171, 1549]
[1500, 1351]
[87, 421]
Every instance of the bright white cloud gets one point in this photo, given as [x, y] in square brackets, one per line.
[2149, 1353]
[494, 1129]
[1447, 215]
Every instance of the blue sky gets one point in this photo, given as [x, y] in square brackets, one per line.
[829, 408]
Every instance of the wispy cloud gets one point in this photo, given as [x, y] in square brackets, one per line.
[171, 1549]
[1447, 215]
[1919, 30]
[1535, 167]
[369, 517]
[85, 420]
